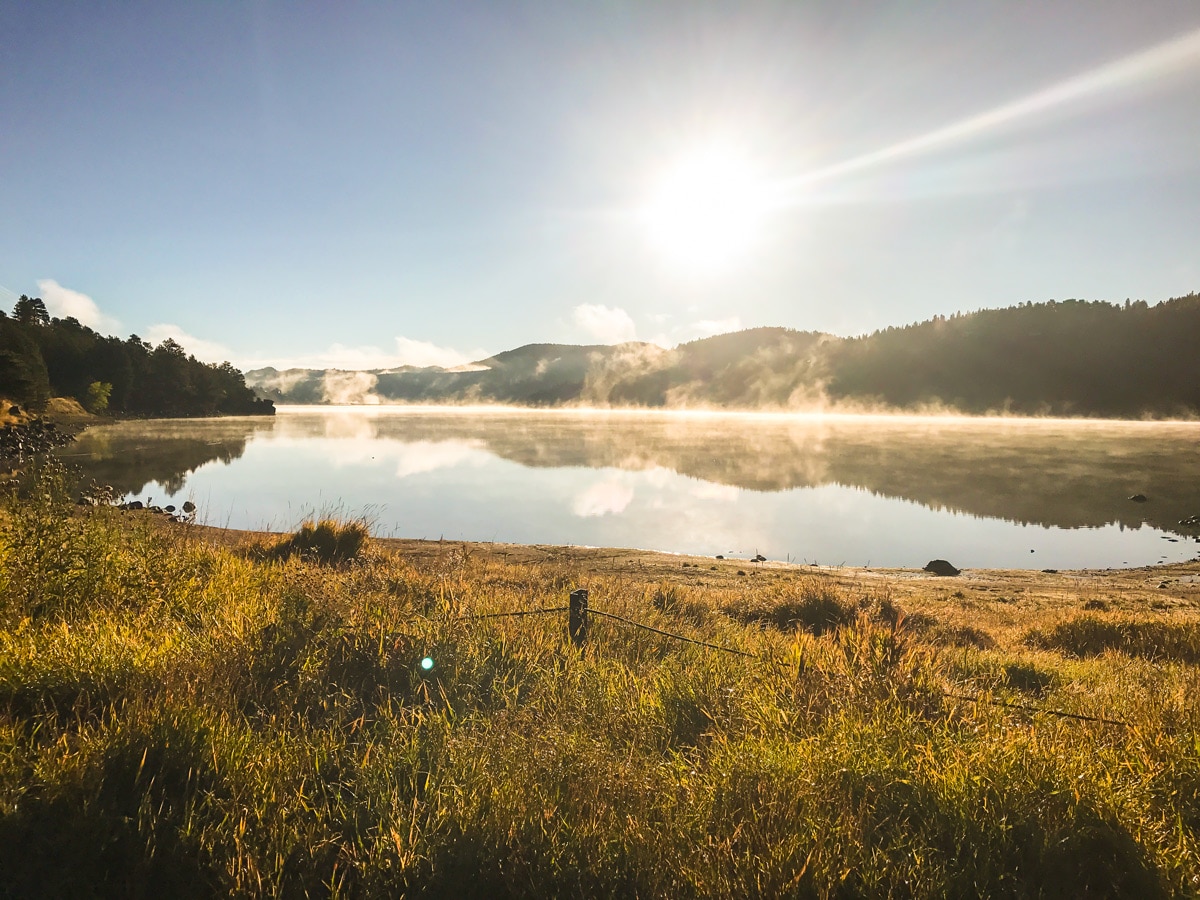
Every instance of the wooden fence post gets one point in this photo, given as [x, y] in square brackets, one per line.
[577, 622]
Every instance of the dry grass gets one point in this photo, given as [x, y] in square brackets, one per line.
[179, 718]
[327, 542]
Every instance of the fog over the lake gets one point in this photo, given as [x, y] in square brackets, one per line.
[825, 488]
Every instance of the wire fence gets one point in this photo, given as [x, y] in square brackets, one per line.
[678, 637]
[592, 611]
[578, 626]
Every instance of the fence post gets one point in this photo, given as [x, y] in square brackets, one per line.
[577, 622]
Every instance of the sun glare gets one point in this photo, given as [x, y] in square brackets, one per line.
[706, 212]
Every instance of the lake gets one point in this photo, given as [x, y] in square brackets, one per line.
[878, 491]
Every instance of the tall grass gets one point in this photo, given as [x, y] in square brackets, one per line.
[327, 541]
[1092, 635]
[178, 719]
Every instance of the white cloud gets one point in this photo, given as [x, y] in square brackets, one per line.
[408, 352]
[208, 351]
[610, 325]
[424, 353]
[604, 498]
[709, 327]
[339, 356]
[63, 302]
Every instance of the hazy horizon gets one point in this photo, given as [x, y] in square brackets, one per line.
[366, 187]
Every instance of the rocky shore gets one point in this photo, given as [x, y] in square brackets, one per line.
[21, 441]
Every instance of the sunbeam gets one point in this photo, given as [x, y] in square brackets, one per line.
[1179, 55]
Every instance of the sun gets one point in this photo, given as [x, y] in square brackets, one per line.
[706, 212]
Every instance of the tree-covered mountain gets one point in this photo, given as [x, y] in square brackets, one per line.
[42, 357]
[1068, 358]
[1057, 358]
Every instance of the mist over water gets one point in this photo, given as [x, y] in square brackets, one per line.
[831, 490]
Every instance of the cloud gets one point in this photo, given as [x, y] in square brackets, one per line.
[424, 353]
[339, 356]
[63, 302]
[208, 351]
[709, 327]
[408, 352]
[610, 325]
[607, 497]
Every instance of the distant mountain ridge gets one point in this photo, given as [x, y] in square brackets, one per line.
[1056, 358]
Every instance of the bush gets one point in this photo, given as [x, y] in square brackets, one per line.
[327, 542]
[814, 608]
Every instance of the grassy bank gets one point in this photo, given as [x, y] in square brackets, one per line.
[185, 717]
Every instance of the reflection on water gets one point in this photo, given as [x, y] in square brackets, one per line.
[827, 489]
[131, 455]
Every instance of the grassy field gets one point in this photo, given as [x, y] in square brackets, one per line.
[189, 714]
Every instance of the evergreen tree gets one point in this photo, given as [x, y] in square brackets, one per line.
[31, 311]
[23, 375]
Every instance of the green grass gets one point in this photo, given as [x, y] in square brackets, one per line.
[182, 719]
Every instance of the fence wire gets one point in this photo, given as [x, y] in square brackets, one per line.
[591, 610]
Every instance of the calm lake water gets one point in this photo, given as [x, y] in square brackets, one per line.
[855, 490]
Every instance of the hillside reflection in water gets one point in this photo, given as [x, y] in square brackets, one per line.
[831, 490]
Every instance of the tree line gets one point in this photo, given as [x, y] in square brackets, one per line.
[41, 357]
[1071, 357]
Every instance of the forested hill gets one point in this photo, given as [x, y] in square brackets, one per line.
[1067, 358]
[1073, 358]
[42, 357]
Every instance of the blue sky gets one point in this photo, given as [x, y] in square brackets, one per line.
[370, 184]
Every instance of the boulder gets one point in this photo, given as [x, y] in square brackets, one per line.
[1139, 498]
[941, 567]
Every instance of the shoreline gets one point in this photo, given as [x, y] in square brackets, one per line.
[1168, 585]
[784, 415]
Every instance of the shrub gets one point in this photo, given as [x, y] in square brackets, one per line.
[814, 608]
[327, 542]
